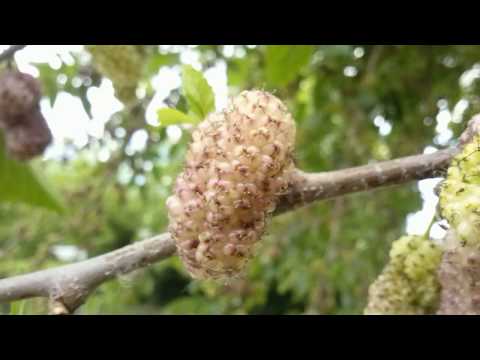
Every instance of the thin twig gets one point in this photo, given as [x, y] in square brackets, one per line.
[10, 52]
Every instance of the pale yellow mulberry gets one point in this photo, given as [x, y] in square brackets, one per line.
[236, 166]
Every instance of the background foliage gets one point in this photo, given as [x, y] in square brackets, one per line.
[353, 104]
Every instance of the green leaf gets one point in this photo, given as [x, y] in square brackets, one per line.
[198, 92]
[168, 116]
[157, 61]
[19, 183]
[48, 77]
[237, 71]
[284, 62]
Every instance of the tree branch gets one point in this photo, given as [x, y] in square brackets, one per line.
[70, 285]
[8, 54]
[307, 188]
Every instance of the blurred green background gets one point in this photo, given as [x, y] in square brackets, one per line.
[112, 168]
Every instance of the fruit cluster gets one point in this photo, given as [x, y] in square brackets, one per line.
[460, 194]
[236, 166]
[408, 284]
[25, 129]
[460, 206]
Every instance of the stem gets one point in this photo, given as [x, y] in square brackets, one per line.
[427, 232]
[10, 52]
[307, 188]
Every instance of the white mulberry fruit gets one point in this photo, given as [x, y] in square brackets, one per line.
[409, 283]
[460, 205]
[460, 194]
[236, 166]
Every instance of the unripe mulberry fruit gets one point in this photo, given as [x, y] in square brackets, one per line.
[460, 194]
[19, 94]
[416, 255]
[238, 163]
[390, 294]
[122, 64]
[30, 138]
[409, 283]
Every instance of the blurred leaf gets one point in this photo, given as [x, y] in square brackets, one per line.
[337, 51]
[198, 92]
[17, 307]
[19, 183]
[182, 104]
[195, 305]
[168, 116]
[237, 71]
[284, 62]
[48, 77]
[156, 61]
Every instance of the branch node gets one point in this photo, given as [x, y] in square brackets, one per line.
[56, 307]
